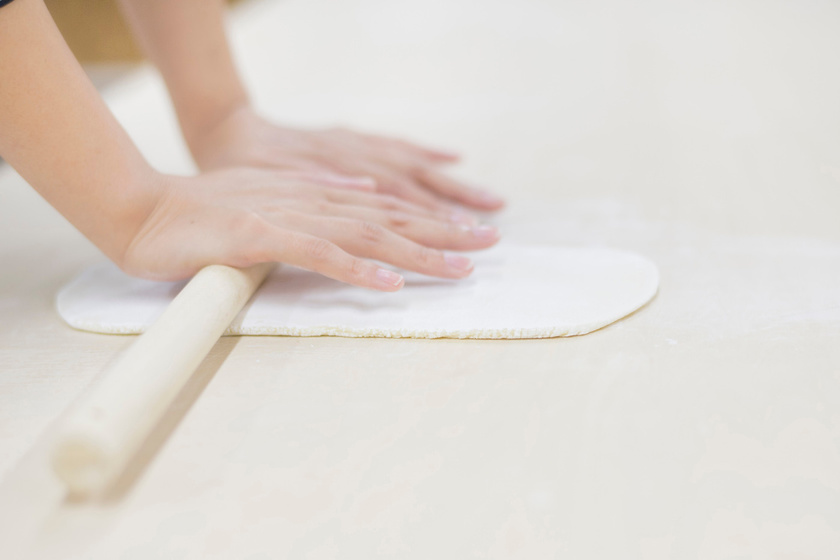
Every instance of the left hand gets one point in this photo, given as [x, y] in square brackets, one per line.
[395, 167]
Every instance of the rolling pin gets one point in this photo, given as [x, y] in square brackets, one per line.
[107, 425]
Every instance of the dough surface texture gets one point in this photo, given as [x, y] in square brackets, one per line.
[516, 291]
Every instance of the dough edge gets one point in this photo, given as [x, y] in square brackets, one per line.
[560, 331]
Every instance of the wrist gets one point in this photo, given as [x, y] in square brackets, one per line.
[135, 197]
[219, 140]
[199, 118]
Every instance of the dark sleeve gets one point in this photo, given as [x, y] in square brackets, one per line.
[4, 2]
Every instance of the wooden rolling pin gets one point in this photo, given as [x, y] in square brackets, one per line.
[107, 425]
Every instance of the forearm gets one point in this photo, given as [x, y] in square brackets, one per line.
[186, 40]
[56, 131]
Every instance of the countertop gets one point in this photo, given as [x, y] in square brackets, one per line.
[705, 136]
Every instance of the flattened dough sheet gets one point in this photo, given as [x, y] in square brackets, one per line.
[515, 291]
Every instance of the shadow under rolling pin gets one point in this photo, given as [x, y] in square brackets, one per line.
[106, 426]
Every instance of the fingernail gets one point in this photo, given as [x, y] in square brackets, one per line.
[461, 217]
[389, 278]
[488, 198]
[458, 262]
[486, 233]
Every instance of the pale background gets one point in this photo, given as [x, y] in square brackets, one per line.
[705, 136]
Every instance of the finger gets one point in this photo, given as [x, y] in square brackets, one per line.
[434, 154]
[413, 150]
[412, 192]
[315, 171]
[361, 183]
[388, 202]
[390, 156]
[419, 183]
[371, 240]
[428, 232]
[395, 176]
[324, 257]
[450, 188]
[306, 178]
[401, 185]
[388, 181]
[281, 160]
[408, 150]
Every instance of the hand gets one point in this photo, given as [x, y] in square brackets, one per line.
[312, 220]
[399, 168]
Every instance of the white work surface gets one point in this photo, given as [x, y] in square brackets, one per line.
[703, 135]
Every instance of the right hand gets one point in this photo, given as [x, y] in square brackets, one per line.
[324, 223]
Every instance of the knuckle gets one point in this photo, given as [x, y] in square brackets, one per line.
[389, 185]
[370, 232]
[390, 202]
[332, 195]
[421, 171]
[426, 257]
[321, 206]
[398, 220]
[319, 250]
[316, 191]
[275, 208]
[357, 268]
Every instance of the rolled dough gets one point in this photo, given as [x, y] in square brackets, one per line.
[515, 292]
